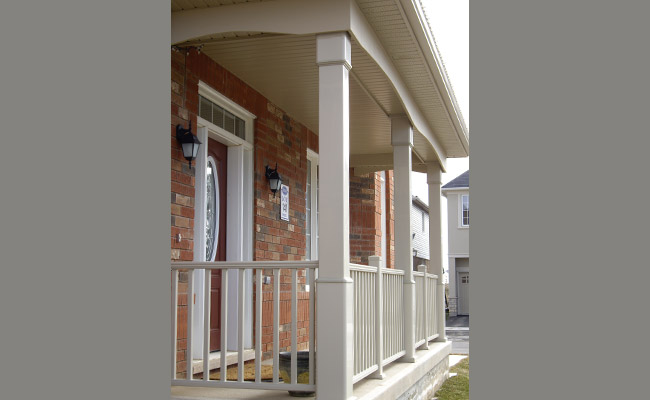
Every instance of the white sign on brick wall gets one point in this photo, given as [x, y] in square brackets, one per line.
[284, 202]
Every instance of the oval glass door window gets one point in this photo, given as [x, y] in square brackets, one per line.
[212, 210]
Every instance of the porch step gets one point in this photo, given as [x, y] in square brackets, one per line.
[215, 360]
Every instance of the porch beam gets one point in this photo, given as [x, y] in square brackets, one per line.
[367, 163]
[282, 16]
[360, 171]
[334, 328]
[364, 160]
[402, 141]
[434, 180]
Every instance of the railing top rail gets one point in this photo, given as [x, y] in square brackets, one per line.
[416, 273]
[432, 276]
[366, 268]
[244, 264]
[393, 271]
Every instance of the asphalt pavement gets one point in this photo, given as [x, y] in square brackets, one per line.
[457, 330]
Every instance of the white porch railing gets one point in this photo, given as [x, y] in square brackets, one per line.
[378, 320]
[378, 316]
[432, 314]
[240, 268]
[425, 307]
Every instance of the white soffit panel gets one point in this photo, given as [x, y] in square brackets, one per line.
[283, 69]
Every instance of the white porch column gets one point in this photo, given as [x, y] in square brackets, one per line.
[402, 141]
[434, 179]
[334, 326]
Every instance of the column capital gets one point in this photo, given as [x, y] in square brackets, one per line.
[401, 130]
[334, 49]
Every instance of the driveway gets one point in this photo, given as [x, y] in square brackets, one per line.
[457, 330]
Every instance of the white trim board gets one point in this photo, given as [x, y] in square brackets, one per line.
[312, 156]
[460, 211]
[239, 219]
[454, 189]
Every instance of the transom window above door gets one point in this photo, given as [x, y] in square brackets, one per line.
[227, 121]
[222, 118]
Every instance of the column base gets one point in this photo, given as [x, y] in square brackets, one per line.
[377, 375]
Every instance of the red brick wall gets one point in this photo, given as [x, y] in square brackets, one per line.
[278, 138]
[365, 217]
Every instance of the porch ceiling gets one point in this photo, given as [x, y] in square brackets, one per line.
[283, 68]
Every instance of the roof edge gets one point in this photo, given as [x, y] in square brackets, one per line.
[418, 202]
[424, 36]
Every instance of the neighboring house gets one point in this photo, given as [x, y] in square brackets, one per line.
[420, 225]
[346, 97]
[457, 194]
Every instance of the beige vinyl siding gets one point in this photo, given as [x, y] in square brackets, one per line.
[458, 237]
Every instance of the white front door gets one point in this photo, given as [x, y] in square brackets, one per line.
[463, 293]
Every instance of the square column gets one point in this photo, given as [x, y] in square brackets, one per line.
[402, 141]
[434, 180]
[334, 310]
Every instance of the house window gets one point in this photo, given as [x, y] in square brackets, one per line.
[222, 118]
[423, 222]
[464, 219]
[227, 121]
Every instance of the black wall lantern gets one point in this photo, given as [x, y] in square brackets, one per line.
[189, 143]
[274, 178]
[415, 252]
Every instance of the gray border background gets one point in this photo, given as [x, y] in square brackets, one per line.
[84, 209]
[559, 235]
[559, 188]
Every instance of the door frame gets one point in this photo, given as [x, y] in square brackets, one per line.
[461, 300]
[239, 218]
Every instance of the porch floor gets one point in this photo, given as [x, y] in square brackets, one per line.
[398, 377]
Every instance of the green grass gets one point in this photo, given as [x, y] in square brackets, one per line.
[456, 388]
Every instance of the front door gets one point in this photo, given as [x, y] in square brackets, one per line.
[215, 231]
[463, 293]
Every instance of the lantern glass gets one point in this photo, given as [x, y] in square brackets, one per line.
[275, 183]
[188, 150]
